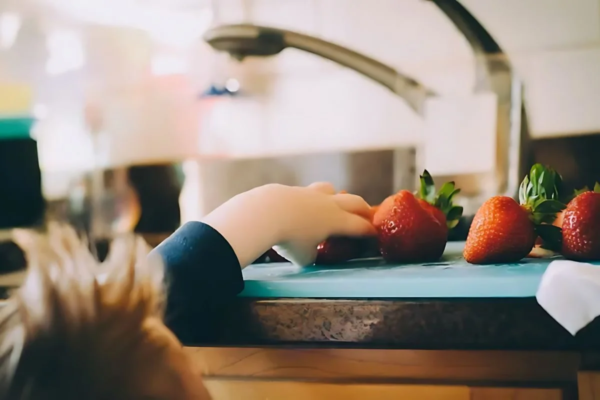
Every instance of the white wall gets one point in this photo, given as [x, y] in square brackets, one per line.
[555, 46]
[295, 102]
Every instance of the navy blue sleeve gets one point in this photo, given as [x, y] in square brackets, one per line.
[202, 273]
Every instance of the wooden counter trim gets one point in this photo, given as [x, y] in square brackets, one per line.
[547, 368]
[221, 389]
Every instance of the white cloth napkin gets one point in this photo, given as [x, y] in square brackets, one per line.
[570, 293]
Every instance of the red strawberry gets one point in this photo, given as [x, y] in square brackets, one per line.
[336, 250]
[505, 231]
[501, 232]
[385, 204]
[581, 227]
[434, 211]
[407, 231]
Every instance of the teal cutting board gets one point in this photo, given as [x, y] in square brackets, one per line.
[451, 277]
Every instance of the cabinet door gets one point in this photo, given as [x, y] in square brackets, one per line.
[233, 389]
[588, 383]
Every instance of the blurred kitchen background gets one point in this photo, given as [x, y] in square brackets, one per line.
[140, 124]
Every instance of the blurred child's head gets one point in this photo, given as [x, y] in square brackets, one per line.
[78, 329]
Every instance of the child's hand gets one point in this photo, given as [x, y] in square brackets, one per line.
[322, 213]
[296, 219]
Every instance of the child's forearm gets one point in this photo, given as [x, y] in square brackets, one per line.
[203, 260]
[252, 222]
[201, 269]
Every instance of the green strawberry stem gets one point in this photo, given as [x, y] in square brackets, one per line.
[539, 194]
[551, 235]
[586, 189]
[441, 199]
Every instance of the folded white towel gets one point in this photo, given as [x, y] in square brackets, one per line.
[570, 293]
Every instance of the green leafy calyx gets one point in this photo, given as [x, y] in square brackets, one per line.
[441, 199]
[584, 189]
[539, 194]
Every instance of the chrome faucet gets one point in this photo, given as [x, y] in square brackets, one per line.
[493, 74]
[244, 40]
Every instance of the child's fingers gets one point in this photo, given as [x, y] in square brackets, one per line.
[25, 239]
[354, 204]
[355, 225]
[323, 187]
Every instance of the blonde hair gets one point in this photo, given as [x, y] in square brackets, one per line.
[73, 330]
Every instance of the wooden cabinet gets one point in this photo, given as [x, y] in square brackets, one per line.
[222, 389]
[588, 385]
[348, 374]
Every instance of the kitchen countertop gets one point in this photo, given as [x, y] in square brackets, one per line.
[444, 305]
[509, 320]
[472, 324]
[478, 324]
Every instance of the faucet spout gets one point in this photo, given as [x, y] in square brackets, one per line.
[244, 40]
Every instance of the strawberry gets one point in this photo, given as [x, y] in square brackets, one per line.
[439, 204]
[408, 232]
[434, 211]
[561, 215]
[559, 219]
[581, 227]
[385, 204]
[505, 231]
[405, 223]
[586, 188]
[336, 250]
[501, 232]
